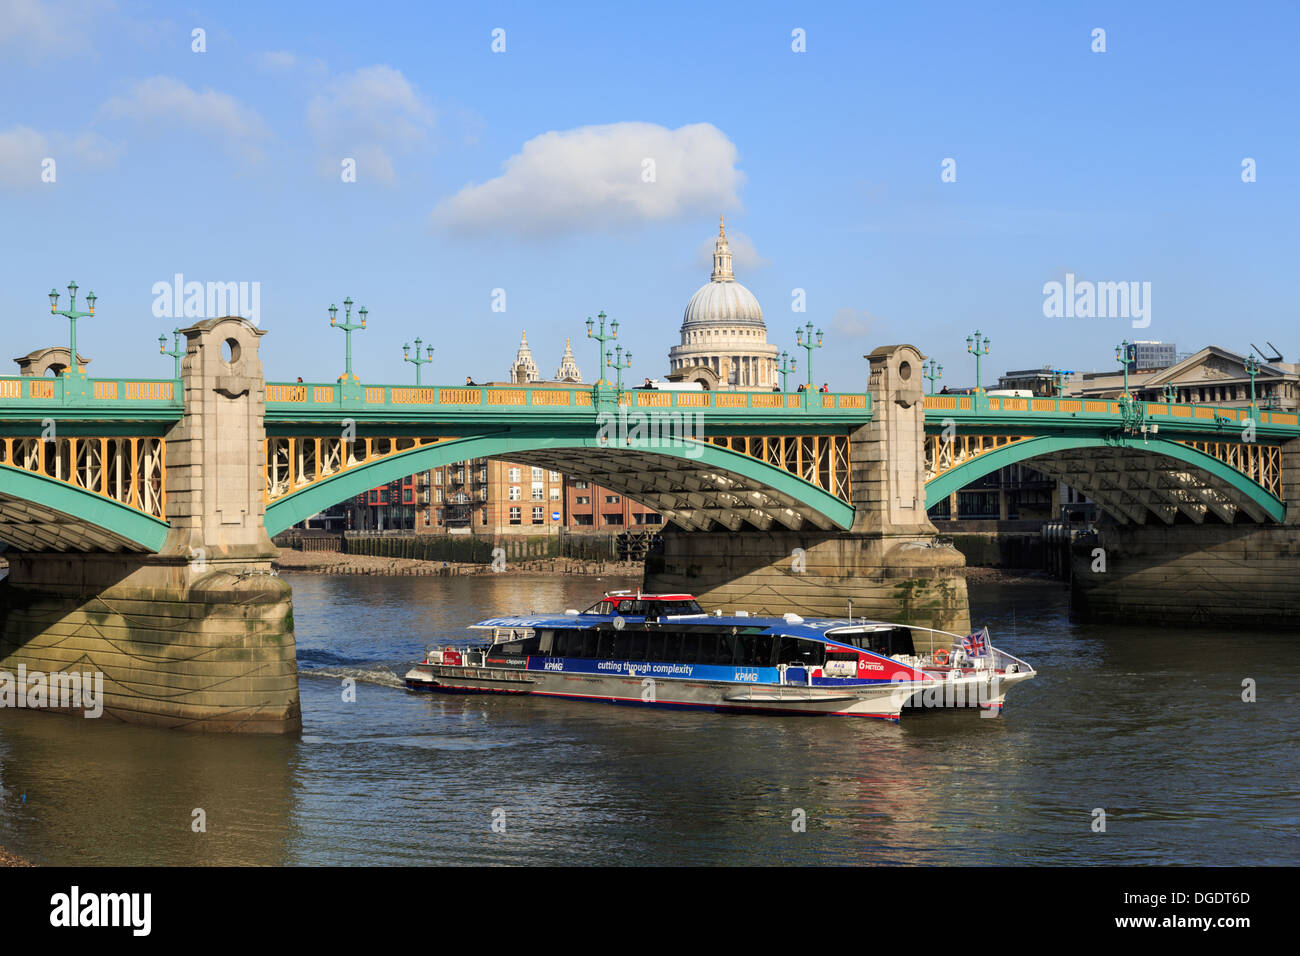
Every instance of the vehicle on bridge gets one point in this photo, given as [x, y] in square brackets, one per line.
[735, 663]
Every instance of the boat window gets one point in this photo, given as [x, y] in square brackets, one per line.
[636, 652]
[690, 650]
[801, 652]
[672, 649]
[654, 646]
[545, 640]
[605, 607]
[589, 643]
[622, 645]
[887, 641]
[605, 646]
[521, 648]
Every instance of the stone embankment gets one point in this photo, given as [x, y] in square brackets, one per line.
[334, 562]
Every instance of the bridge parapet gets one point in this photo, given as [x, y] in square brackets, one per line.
[285, 399]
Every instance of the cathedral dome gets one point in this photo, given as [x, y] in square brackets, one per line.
[724, 341]
[723, 301]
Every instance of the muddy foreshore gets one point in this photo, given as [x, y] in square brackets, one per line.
[336, 562]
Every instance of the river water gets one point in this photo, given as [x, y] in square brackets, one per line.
[1145, 724]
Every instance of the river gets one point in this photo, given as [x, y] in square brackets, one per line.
[1145, 724]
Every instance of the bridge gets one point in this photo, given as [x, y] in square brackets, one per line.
[160, 496]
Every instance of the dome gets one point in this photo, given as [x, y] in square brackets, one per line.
[722, 303]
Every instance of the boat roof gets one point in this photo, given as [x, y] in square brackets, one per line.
[815, 629]
[636, 596]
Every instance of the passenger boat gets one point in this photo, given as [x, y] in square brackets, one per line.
[663, 650]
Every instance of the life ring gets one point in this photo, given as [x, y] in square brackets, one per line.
[941, 660]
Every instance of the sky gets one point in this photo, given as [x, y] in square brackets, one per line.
[919, 171]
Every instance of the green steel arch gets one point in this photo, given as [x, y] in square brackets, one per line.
[941, 487]
[754, 478]
[41, 513]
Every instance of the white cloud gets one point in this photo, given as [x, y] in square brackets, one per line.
[277, 60]
[39, 27]
[744, 254]
[368, 114]
[163, 103]
[592, 177]
[23, 150]
[853, 323]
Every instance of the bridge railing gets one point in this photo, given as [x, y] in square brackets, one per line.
[550, 397]
[32, 390]
[1158, 412]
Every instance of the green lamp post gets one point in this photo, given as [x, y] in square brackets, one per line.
[784, 369]
[1171, 393]
[809, 346]
[617, 363]
[1060, 377]
[932, 370]
[348, 328]
[978, 345]
[1252, 369]
[602, 338]
[177, 353]
[417, 361]
[1125, 353]
[71, 314]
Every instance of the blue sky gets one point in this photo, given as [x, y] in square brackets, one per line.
[522, 171]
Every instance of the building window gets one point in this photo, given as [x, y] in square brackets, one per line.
[555, 476]
[611, 499]
[482, 516]
[582, 519]
[514, 474]
[539, 491]
[612, 518]
[438, 495]
[437, 477]
[582, 500]
[439, 516]
[555, 494]
[580, 484]
[537, 474]
[515, 493]
[515, 516]
[539, 516]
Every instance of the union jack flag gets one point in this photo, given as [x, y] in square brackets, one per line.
[977, 644]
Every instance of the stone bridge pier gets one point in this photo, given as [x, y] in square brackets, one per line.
[199, 636]
[889, 565]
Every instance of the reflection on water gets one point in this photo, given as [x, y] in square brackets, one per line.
[1147, 724]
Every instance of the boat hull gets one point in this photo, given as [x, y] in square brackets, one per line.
[882, 701]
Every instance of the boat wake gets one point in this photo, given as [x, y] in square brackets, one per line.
[375, 674]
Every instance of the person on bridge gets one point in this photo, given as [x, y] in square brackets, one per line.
[825, 388]
[469, 380]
